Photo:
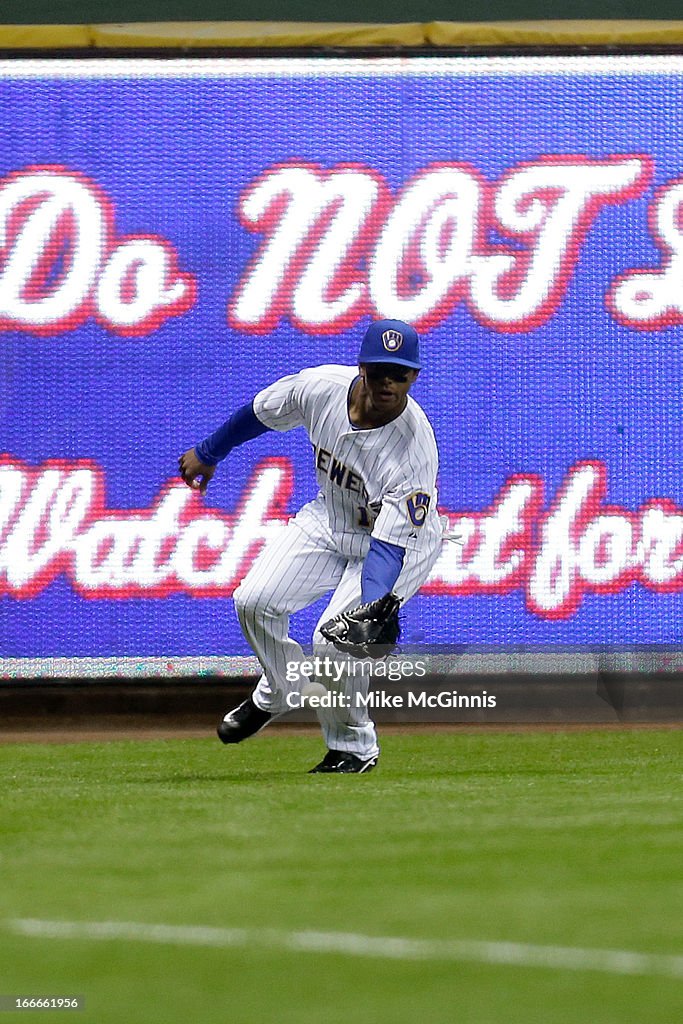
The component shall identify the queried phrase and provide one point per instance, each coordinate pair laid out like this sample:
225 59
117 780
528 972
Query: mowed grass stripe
519 954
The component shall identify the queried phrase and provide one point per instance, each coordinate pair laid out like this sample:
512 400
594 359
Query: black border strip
322 52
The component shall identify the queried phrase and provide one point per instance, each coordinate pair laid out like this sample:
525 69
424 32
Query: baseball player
372 530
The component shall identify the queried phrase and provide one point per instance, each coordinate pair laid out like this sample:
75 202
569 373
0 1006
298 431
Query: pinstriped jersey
379 482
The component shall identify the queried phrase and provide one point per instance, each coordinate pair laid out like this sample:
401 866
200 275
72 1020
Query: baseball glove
368 631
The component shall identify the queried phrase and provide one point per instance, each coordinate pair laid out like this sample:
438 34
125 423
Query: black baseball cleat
343 763
242 722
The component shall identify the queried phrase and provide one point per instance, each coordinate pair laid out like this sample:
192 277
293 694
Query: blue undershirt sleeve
242 426
381 569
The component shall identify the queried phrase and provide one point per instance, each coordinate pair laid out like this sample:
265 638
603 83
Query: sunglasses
399 374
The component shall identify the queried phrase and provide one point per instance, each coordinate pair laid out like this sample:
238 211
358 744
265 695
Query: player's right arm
276 407
197 465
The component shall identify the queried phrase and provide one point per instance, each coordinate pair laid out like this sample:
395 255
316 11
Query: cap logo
392 340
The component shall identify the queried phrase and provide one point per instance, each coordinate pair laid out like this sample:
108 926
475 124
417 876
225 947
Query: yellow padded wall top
553 33
257 34
28 37
198 34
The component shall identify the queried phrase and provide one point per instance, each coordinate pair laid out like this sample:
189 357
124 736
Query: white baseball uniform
380 483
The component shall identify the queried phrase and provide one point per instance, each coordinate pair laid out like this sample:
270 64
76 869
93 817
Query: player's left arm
399 526
406 509
408 504
381 568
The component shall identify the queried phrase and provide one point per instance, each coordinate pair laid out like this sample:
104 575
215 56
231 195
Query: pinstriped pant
297 568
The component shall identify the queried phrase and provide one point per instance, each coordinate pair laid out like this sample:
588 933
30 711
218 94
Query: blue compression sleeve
242 426
381 569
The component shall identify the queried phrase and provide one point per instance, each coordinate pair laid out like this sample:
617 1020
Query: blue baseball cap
391 341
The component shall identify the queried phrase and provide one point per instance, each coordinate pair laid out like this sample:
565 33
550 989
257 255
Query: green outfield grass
568 839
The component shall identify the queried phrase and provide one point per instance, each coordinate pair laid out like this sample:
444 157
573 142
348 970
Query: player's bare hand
195 473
